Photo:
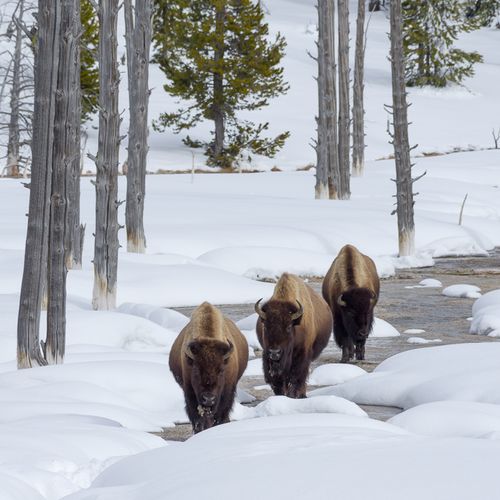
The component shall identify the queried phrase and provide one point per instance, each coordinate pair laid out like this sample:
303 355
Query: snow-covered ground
65 428
460 117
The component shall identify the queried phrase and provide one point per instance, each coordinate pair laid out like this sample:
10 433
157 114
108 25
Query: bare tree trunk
66 150
344 108
332 145
218 112
35 258
358 109
138 39
321 188
106 231
12 169
76 231
374 5
404 181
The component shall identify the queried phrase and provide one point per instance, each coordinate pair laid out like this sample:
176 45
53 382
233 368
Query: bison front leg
296 387
347 350
360 350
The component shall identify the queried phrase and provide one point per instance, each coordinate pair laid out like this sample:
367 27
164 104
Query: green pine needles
430 29
89 76
219 60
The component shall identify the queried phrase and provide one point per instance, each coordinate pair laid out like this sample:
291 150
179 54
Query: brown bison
207 359
293 327
351 288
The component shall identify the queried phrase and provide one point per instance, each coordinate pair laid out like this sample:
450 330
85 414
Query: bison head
208 359
356 306
278 319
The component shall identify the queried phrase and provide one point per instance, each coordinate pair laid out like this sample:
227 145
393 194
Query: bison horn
341 302
231 349
259 311
299 313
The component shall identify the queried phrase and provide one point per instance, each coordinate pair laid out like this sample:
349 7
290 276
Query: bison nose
207 399
275 354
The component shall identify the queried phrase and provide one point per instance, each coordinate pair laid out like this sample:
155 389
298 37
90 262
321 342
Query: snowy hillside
457 117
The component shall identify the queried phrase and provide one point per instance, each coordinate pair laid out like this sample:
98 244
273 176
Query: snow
486 315
452 419
460 372
414 331
334 373
430 283
382 328
464 291
87 423
420 340
316 451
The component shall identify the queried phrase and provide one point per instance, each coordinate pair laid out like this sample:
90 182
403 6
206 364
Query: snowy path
441 317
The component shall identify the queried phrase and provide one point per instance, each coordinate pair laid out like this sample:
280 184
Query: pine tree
217 56
89 76
483 12
430 30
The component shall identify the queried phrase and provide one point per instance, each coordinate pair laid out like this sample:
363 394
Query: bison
351 287
207 359
293 327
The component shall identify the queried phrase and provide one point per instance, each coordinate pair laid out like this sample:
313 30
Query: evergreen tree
484 12
89 76
430 29
217 56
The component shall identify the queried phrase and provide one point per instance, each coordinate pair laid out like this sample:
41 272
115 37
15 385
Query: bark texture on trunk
344 107
106 232
138 41
358 108
218 110
65 149
327 143
76 231
35 259
321 187
404 181
12 168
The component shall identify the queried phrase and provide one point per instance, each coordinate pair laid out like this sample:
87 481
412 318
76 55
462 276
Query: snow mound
282 405
382 328
268 262
452 419
414 331
166 318
486 315
316 451
334 373
420 340
462 291
460 372
430 283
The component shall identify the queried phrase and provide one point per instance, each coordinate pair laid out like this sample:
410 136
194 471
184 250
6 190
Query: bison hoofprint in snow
351 287
207 359
294 326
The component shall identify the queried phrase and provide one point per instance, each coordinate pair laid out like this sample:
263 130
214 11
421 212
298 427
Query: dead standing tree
17 77
138 41
65 152
358 110
35 257
106 231
13 149
404 181
76 231
328 174
344 107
